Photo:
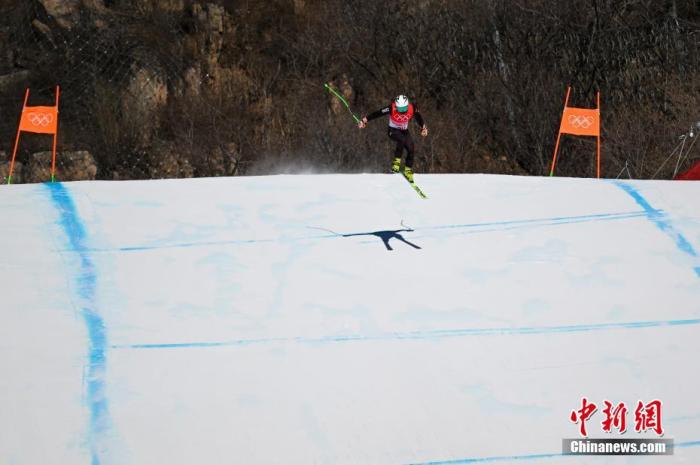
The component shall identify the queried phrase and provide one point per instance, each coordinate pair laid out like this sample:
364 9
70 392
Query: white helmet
401 103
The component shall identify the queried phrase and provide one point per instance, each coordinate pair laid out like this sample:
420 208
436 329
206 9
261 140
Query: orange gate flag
41 120
579 122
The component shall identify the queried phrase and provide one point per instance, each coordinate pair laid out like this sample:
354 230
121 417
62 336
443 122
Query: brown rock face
145 96
213 28
67 12
299 6
150 6
70 166
193 81
9 80
64 11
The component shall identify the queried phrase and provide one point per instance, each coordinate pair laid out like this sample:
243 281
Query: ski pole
340 97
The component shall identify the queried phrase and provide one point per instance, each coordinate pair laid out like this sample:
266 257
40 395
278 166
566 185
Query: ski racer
400 112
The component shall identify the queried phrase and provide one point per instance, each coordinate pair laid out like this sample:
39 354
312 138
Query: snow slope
342 319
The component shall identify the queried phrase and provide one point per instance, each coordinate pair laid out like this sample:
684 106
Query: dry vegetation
177 88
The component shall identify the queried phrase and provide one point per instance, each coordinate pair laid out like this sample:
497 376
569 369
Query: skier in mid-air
400 112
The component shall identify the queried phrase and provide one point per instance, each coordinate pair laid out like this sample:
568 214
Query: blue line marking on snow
86 281
660 221
549 221
434 334
472 227
493 459
187 245
503 458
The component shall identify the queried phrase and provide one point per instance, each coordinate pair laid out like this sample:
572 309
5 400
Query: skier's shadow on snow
385 236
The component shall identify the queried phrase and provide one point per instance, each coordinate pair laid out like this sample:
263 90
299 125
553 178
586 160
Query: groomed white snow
263 320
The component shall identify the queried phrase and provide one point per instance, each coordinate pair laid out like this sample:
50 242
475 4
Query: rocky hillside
176 88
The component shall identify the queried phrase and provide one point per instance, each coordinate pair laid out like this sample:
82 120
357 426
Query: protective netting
123 73
175 88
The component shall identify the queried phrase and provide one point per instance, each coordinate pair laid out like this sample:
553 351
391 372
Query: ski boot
396 165
408 173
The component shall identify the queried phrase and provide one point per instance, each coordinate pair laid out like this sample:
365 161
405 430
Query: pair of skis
415 187
357 120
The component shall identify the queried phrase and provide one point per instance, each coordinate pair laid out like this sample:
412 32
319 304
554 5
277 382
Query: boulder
70 166
17 177
165 162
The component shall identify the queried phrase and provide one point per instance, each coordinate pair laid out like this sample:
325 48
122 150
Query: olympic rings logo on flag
40 119
583 122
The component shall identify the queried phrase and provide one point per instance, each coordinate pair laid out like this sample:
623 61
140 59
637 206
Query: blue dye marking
188 245
478 227
660 221
86 282
526 457
548 221
435 334
492 459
